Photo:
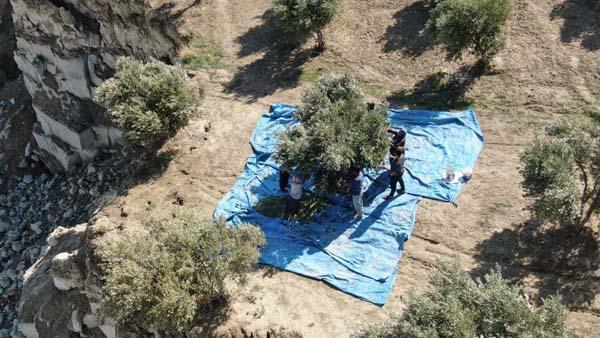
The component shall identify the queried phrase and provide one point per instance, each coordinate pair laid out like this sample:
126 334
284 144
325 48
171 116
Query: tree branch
585 195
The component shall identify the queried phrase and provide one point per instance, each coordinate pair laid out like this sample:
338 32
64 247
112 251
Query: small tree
337 132
562 172
161 278
149 102
304 17
463 25
458 306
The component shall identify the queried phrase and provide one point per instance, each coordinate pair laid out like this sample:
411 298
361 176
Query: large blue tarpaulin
359 257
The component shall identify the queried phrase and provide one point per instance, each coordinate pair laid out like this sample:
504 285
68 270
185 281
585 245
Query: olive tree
562 172
161 276
337 132
148 101
469 25
303 17
456 305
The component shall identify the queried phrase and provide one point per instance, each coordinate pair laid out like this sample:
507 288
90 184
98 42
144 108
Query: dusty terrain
551 65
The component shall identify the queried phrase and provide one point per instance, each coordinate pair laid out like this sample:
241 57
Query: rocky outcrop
8 67
61 297
65 49
33 207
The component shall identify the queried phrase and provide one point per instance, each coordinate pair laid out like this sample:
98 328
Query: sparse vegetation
337 133
148 101
469 25
456 305
562 172
274 206
303 17
161 278
203 54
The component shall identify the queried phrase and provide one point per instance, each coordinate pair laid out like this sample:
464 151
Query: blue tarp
358 257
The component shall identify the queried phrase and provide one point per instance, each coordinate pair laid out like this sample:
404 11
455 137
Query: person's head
355 170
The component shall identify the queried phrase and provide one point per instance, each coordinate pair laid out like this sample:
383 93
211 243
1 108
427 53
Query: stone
4 227
27 179
65 272
17 246
36 227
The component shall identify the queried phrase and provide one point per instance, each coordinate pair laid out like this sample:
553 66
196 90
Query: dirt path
487 227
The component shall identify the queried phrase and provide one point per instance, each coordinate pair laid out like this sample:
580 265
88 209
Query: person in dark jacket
396 171
356 192
284 177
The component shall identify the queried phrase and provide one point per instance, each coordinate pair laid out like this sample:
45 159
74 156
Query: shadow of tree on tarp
405 35
581 21
279 68
563 260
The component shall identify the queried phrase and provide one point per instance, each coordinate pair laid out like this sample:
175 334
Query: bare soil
550 66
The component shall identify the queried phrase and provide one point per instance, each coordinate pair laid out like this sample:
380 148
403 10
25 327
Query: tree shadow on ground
171 12
210 317
440 90
563 260
405 35
280 67
581 21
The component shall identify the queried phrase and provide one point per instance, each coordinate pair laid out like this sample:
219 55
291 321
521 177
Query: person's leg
402 188
297 207
357 201
393 182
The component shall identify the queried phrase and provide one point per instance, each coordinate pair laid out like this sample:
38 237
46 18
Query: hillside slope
551 65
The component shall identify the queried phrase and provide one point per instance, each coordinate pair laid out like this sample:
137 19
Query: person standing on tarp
396 171
356 192
284 178
295 199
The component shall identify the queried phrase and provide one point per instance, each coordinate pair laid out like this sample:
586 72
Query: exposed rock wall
65 49
8 67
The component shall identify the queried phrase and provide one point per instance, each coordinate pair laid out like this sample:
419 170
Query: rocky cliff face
8 67
65 49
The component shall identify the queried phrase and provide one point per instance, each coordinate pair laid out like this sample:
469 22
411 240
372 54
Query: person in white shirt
295 200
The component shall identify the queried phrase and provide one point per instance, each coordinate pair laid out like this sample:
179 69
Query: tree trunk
320 41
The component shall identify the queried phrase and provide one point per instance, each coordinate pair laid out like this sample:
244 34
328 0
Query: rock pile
33 207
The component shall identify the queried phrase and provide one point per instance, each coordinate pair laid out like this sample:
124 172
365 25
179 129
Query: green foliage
203 55
337 132
149 102
303 17
458 306
562 172
162 277
463 25
274 206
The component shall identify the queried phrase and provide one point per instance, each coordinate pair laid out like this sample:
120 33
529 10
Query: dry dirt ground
551 64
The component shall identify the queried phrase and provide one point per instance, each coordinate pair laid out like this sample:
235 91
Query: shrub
337 132
463 25
303 17
458 306
562 172
162 277
149 102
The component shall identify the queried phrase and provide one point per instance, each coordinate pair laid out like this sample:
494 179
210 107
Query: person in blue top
356 192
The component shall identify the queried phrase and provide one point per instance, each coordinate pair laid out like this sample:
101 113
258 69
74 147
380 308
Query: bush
458 306
337 132
303 17
562 172
161 278
149 102
463 25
